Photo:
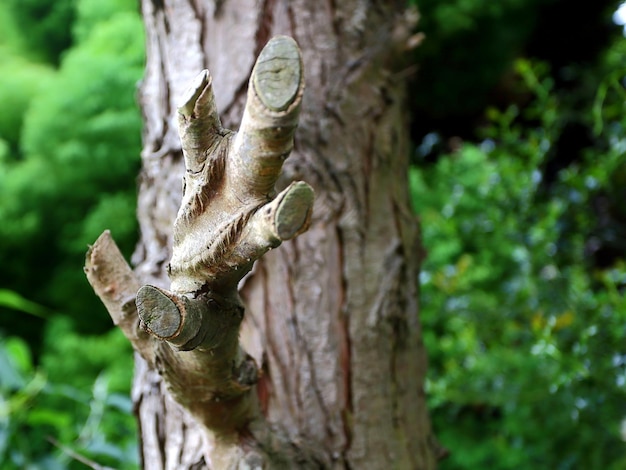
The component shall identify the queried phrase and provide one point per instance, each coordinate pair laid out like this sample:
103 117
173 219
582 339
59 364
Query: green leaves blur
456 80
69 158
46 25
25 80
77 398
71 154
15 301
525 327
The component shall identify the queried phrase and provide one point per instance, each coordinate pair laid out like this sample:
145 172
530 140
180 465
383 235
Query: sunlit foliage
75 403
69 158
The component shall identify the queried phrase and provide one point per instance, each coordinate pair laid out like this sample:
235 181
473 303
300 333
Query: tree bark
331 317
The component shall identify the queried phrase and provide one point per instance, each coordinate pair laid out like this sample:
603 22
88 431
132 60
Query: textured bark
331 317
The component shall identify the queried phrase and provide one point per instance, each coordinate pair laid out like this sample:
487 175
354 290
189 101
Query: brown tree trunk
331 316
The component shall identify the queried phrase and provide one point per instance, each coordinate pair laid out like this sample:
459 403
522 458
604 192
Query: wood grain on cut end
158 312
278 73
294 210
197 87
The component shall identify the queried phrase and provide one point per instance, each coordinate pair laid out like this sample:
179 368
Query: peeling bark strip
331 316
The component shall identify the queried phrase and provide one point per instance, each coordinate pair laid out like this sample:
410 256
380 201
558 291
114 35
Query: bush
76 404
524 331
75 174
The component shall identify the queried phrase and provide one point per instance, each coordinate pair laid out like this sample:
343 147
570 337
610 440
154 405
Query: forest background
518 175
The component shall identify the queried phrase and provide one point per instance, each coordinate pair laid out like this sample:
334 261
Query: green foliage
10 35
69 156
524 330
91 13
15 301
466 61
491 34
44 25
74 172
77 399
20 80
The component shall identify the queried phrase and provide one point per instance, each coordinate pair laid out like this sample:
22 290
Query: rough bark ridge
331 316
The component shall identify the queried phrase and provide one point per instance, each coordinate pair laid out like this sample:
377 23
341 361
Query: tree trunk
331 317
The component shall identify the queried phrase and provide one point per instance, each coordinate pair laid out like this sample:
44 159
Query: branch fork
229 217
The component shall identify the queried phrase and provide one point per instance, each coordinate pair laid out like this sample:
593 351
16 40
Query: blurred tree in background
70 137
69 161
520 181
519 177
48 26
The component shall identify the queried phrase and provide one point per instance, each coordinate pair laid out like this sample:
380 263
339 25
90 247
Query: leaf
10 376
15 301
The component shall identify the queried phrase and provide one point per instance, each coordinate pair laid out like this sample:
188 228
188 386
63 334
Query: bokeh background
518 174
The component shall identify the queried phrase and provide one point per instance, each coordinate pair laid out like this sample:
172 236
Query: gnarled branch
229 217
